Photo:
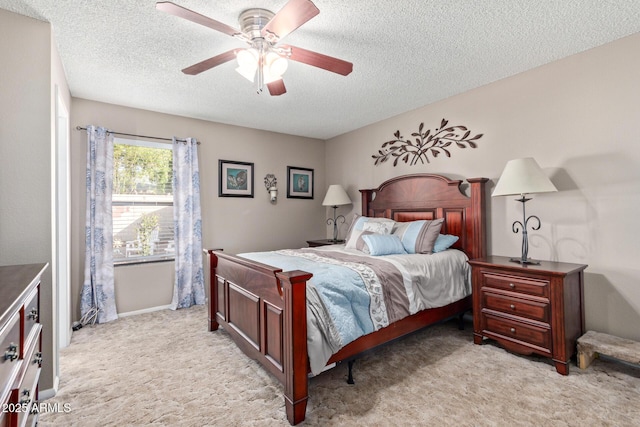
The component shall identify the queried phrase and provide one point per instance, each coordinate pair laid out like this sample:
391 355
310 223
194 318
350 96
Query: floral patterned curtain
98 303
189 281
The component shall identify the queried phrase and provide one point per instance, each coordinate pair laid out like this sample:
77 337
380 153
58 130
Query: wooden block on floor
592 344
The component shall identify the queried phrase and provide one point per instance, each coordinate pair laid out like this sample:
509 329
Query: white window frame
167 254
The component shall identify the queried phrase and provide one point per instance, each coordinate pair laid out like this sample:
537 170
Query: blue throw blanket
341 289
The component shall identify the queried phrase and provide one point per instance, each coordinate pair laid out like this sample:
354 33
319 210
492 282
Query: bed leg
350 377
461 321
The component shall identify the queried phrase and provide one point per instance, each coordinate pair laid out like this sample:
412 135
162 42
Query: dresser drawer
527 334
531 309
518 284
9 353
31 313
25 392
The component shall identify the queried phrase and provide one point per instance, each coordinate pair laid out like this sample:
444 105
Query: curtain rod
139 136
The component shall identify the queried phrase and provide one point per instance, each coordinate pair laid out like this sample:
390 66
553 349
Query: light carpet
165 368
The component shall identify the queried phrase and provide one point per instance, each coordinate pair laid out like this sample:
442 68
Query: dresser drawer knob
26 397
33 314
513 330
12 353
512 306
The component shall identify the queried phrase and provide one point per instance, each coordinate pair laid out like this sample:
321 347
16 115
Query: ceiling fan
265 60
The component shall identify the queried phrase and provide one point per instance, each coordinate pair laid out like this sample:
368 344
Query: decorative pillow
383 244
418 237
356 228
380 227
361 245
444 242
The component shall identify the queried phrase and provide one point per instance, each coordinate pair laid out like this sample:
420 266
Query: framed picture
299 183
235 179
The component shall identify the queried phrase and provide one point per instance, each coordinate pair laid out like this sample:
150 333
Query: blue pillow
383 244
444 242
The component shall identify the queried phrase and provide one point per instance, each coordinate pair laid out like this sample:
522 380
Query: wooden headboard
428 196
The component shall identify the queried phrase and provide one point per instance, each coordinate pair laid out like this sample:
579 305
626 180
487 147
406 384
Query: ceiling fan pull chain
261 69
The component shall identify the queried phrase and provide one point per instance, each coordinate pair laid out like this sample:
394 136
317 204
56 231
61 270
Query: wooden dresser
20 343
529 309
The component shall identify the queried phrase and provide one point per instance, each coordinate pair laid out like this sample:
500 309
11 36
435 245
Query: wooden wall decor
426 143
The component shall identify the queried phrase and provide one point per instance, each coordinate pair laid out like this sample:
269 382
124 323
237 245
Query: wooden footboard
264 311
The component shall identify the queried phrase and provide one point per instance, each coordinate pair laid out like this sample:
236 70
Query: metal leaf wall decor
423 144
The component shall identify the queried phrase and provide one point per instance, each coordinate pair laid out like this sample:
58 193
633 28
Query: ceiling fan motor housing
252 21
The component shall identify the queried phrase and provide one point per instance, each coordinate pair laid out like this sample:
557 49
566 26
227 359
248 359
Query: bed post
296 386
367 197
212 262
478 212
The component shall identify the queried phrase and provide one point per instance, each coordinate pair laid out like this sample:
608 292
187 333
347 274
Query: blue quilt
341 289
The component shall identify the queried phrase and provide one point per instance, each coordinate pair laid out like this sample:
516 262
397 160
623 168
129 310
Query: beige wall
234 224
580 119
25 153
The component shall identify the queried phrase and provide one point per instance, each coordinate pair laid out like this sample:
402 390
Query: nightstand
323 242
529 309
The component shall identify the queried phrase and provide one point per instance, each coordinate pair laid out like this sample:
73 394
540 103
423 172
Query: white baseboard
145 310
50 392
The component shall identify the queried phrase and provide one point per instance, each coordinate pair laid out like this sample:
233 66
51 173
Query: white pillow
379 227
356 228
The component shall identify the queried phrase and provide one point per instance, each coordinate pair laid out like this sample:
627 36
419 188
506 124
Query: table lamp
522 177
336 196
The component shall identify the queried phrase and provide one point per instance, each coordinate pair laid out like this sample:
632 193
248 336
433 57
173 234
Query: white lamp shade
522 176
336 196
247 63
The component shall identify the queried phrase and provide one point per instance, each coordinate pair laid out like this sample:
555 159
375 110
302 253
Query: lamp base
527 261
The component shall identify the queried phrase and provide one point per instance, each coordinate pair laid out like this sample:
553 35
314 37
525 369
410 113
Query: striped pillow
418 237
382 244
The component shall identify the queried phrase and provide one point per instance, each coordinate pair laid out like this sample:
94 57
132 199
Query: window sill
146 260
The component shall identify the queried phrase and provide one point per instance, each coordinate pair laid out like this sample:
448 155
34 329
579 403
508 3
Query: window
142 202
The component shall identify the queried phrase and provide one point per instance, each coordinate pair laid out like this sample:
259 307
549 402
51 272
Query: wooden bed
264 308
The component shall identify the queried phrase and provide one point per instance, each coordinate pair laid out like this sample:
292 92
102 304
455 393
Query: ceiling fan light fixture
247 63
276 64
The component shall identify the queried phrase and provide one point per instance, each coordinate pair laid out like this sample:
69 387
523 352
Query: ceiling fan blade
319 60
210 63
179 11
291 16
276 88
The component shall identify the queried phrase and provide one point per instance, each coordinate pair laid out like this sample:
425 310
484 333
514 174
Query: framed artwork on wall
235 179
299 183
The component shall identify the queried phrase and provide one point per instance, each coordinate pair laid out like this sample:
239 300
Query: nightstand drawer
526 333
536 310
516 284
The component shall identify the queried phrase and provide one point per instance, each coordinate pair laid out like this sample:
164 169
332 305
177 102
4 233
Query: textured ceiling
406 54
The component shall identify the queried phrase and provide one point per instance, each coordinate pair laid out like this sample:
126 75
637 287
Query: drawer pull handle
12 353
37 358
26 397
513 307
511 285
513 330
33 314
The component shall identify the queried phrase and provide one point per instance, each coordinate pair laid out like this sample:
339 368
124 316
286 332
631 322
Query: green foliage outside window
145 227
141 170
